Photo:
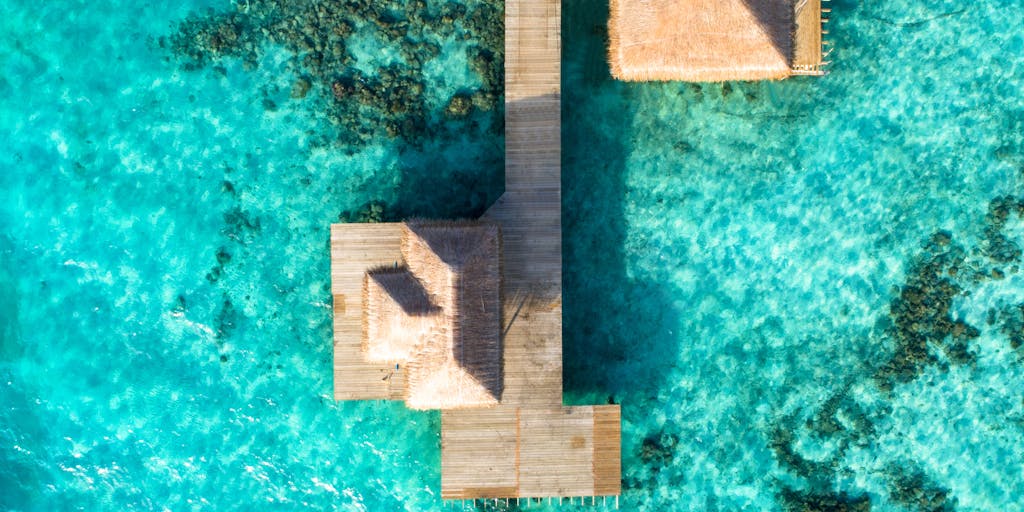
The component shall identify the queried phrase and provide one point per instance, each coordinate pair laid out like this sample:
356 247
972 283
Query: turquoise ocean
807 295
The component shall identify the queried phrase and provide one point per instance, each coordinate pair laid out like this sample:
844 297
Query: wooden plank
530 211
807 44
607 450
508 452
556 452
480 453
354 249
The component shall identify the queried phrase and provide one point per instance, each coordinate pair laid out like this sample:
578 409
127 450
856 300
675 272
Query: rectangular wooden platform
511 452
355 248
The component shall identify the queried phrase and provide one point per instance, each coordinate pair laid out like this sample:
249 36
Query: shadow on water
615 343
460 179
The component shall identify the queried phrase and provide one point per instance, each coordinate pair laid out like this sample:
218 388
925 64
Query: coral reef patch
387 97
921 315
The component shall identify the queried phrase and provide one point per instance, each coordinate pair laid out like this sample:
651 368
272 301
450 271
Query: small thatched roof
459 265
701 40
397 314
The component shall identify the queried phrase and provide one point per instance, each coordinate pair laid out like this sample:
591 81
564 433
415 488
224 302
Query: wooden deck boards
559 451
510 452
807 57
354 249
465 473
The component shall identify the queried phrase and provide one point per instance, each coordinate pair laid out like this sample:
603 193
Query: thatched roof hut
397 314
701 40
440 314
458 263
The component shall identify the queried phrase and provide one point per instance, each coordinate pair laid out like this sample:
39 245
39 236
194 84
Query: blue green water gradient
742 263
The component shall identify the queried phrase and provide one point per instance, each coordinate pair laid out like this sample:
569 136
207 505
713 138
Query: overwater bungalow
438 315
426 312
715 40
466 316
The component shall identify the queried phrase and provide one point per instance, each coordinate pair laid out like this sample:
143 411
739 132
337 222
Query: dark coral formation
1013 325
912 488
843 418
921 314
228 318
819 474
925 332
223 258
658 449
798 501
373 211
997 246
239 226
390 101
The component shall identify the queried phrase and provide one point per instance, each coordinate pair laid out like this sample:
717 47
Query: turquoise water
807 295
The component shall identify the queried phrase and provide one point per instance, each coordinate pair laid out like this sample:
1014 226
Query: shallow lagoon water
734 257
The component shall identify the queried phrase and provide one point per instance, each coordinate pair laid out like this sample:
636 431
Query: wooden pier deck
807 48
354 249
530 445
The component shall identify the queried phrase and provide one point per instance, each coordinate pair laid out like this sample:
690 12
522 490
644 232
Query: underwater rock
658 449
842 418
798 501
223 256
227 319
362 104
373 211
683 147
921 314
214 274
239 224
1013 325
997 246
781 442
180 305
912 488
300 88
459 106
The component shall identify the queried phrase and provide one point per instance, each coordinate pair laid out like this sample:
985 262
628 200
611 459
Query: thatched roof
397 314
701 40
460 364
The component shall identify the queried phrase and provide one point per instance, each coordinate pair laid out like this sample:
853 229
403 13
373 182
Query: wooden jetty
808 56
529 444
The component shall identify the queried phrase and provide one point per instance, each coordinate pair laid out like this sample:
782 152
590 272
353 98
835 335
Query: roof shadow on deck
615 342
778 19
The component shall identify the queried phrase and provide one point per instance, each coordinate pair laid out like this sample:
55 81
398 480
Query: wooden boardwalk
530 445
807 51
